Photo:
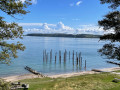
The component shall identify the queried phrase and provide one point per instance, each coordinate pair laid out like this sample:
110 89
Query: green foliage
11 30
111 21
117 71
102 81
4 85
114 3
12 7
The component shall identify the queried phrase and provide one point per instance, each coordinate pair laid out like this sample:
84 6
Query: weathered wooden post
43 55
47 57
79 55
60 56
69 55
64 57
51 54
65 54
77 61
85 64
76 56
55 56
81 61
73 57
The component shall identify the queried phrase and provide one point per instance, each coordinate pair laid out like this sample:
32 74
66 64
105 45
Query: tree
11 30
111 21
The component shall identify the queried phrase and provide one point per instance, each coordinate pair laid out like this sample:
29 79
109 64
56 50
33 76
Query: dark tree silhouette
111 21
11 30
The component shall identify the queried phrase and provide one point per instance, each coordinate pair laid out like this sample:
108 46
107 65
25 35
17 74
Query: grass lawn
117 71
101 81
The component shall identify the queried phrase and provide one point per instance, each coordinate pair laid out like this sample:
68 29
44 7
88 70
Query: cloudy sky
62 16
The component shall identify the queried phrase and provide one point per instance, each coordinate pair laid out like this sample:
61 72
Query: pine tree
111 21
11 30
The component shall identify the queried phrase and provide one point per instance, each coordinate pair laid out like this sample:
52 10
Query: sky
62 16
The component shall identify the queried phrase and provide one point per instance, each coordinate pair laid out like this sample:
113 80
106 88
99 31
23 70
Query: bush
4 85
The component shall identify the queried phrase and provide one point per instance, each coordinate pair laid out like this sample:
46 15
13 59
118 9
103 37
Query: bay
33 56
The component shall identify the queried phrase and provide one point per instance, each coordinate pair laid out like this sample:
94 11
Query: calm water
33 56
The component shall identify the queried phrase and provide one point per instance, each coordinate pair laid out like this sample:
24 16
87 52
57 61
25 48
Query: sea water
33 56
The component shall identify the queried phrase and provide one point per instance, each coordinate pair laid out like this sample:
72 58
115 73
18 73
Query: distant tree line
65 35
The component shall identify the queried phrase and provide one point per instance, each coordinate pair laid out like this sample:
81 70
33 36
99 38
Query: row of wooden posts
47 55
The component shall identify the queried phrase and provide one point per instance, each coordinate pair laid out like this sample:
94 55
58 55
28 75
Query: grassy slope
117 71
85 82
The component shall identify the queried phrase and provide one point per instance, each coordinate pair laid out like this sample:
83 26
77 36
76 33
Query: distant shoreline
31 76
65 35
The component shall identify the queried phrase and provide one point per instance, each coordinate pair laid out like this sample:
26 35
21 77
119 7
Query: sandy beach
31 76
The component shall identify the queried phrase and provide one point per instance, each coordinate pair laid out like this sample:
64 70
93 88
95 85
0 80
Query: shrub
4 85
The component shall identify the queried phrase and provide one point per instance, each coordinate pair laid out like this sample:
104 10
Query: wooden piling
77 60
79 56
60 56
81 61
50 54
73 58
55 57
73 55
43 55
85 64
76 56
64 56
69 55
47 57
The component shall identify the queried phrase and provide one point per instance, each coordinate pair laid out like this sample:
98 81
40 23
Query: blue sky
71 13
53 11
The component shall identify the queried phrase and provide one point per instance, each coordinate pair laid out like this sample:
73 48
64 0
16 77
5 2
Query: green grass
101 81
117 71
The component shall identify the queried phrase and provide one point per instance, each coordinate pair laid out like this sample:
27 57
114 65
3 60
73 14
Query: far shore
31 76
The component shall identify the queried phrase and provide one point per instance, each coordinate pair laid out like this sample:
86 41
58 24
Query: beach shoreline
31 76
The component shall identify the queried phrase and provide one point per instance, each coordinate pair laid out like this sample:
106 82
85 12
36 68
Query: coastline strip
31 76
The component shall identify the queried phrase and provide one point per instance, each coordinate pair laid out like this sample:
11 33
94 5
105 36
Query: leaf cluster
11 30
113 3
13 7
4 85
111 22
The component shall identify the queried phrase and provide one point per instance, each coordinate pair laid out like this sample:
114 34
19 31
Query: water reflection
64 59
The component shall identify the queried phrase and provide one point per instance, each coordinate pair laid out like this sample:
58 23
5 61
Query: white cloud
78 3
61 28
33 1
45 26
90 29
